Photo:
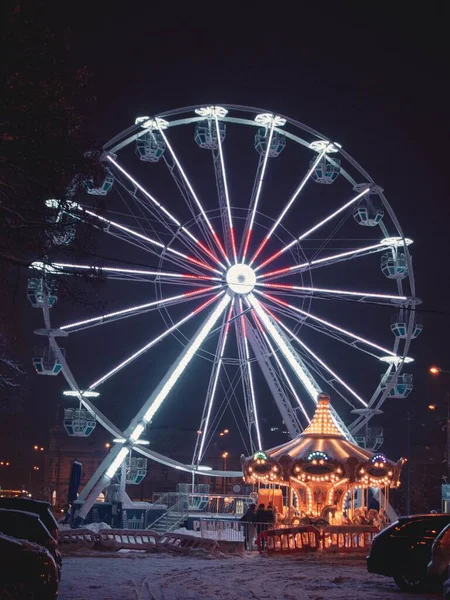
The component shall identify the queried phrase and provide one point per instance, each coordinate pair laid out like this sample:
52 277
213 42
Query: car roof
424 516
33 506
11 518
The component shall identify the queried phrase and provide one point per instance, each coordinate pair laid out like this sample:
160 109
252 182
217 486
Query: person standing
262 521
249 528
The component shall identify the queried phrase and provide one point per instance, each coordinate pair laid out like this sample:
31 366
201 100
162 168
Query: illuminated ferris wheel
278 246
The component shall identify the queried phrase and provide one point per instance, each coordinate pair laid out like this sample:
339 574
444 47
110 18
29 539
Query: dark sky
372 77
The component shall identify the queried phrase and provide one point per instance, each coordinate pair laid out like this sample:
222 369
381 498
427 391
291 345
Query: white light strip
149 345
323 364
85 394
197 342
135 435
125 311
322 260
281 344
327 323
214 387
225 185
164 210
300 288
317 226
147 239
282 369
289 204
111 471
53 268
250 377
258 191
194 195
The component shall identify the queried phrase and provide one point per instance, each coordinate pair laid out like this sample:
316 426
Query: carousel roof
323 434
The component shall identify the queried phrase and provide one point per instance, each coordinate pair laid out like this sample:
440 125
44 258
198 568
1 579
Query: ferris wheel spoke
57 268
247 377
138 310
282 344
322 363
232 234
327 324
312 229
155 243
289 204
325 261
213 233
153 403
273 352
212 387
260 174
338 294
166 213
150 344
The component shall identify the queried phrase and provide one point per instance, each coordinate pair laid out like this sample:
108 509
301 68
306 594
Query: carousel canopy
322 455
323 434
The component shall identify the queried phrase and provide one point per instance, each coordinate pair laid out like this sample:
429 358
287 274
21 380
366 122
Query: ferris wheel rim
361 420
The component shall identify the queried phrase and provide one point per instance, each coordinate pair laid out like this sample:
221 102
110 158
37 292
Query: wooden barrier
305 538
181 542
129 539
348 538
74 538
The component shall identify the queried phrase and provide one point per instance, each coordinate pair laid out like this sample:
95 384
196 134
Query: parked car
26 571
403 549
440 556
39 507
28 526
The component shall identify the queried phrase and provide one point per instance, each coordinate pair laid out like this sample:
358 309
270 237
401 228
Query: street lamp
224 456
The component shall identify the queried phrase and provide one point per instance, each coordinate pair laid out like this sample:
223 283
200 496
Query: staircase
174 515
168 522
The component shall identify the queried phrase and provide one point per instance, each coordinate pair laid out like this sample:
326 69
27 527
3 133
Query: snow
137 576
96 527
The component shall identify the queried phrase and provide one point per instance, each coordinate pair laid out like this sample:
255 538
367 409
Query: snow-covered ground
138 576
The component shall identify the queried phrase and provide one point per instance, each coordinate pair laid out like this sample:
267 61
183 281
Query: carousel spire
322 423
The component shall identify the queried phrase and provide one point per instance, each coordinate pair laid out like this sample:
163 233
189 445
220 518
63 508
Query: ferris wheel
274 260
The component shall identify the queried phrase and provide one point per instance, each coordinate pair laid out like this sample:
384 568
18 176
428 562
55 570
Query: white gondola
78 422
102 189
37 288
372 439
46 362
399 325
150 147
326 171
277 143
136 470
402 387
368 214
394 265
206 134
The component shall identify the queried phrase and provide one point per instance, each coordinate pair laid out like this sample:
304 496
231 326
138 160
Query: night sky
373 79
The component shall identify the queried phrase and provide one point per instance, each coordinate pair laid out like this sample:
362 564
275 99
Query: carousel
322 475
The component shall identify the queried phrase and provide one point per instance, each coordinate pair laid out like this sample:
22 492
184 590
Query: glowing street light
432 407
434 370
107 445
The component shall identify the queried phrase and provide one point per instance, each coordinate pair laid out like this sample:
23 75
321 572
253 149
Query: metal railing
174 515
207 503
233 531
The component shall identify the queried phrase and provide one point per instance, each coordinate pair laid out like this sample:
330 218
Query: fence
117 539
305 538
350 538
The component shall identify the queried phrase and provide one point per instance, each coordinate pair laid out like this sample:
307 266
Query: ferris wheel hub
241 278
